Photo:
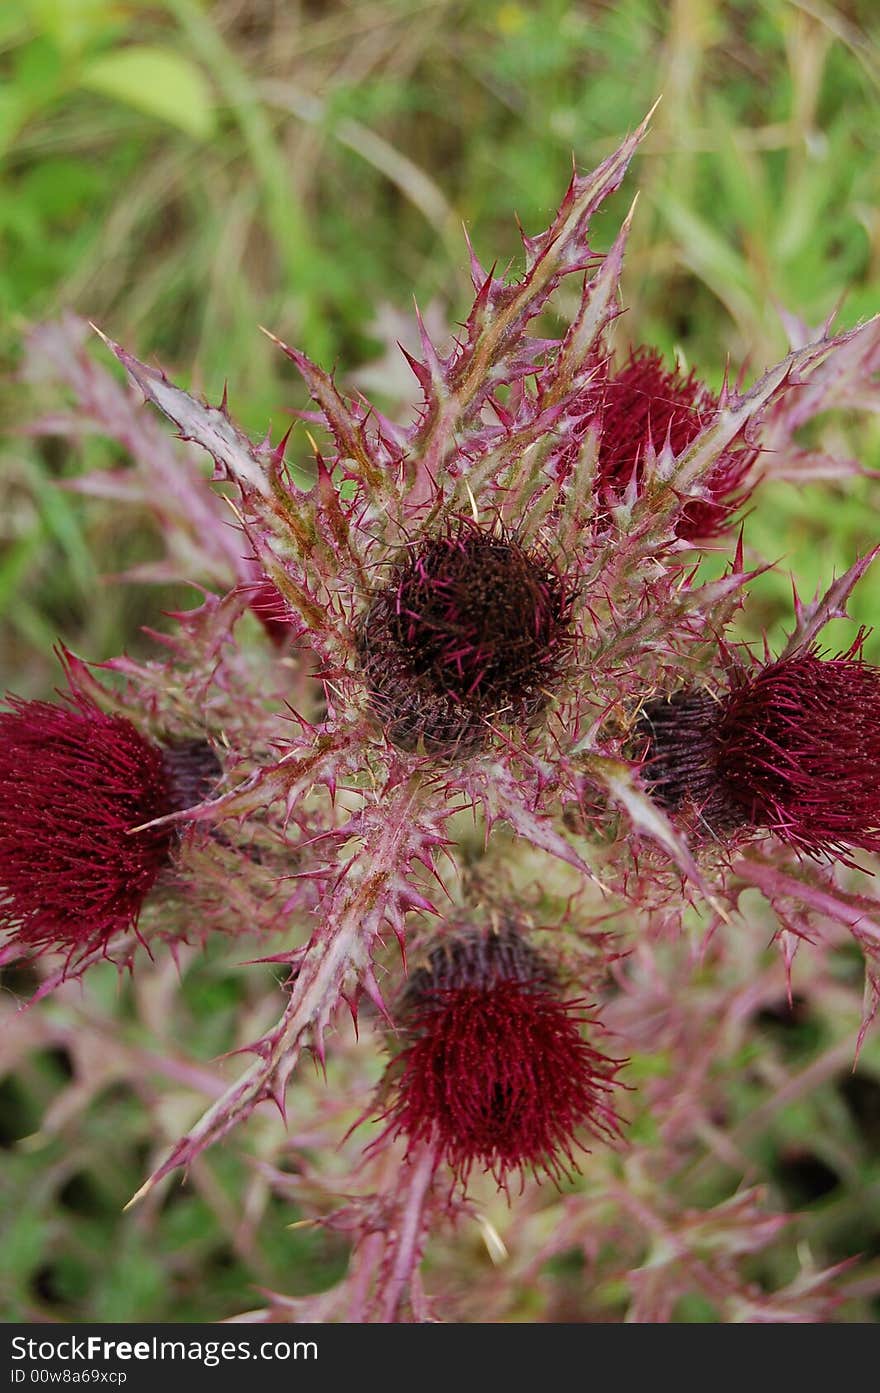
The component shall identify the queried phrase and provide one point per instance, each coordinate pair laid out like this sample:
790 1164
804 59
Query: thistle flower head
494 1070
798 748
74 782
792 747
646 407
469 630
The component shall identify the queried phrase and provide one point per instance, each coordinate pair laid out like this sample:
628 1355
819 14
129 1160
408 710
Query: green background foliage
182 172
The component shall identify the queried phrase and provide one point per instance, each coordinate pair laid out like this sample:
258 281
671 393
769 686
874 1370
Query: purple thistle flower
644 408
469 631
792 747
799 748
74 782
494 1071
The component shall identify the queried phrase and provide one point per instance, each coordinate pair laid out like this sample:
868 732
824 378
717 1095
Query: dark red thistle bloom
73 783
494 1071
799 751
468 632
793 747
644 405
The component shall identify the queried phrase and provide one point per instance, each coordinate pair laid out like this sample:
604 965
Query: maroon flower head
798 751
468 632
643 406
494 1070
793 747
73 783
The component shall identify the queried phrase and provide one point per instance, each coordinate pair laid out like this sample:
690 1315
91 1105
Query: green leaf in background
72 25
156 81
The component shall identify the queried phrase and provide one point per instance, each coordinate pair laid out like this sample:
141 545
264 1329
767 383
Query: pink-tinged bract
495 1072
798 751
269 607
645 406
73 783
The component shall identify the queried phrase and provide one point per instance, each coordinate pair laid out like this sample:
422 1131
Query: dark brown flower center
468 630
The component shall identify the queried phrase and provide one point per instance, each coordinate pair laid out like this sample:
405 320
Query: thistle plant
493 776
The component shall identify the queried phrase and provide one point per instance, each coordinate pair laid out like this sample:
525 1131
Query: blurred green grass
181 172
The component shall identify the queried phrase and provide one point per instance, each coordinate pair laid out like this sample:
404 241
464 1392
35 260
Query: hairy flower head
793 747
494 1069
74 782
645 406
799 749
468 631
